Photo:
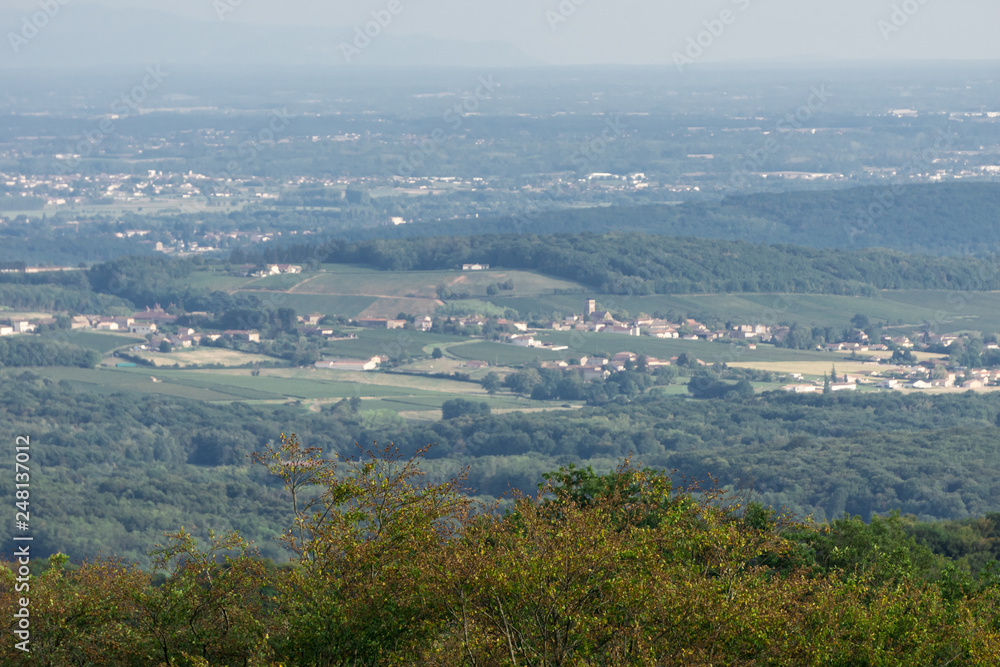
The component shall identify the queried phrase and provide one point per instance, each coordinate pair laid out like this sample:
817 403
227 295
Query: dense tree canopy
625 569
629 263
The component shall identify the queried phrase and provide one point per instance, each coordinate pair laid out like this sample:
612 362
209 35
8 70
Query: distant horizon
566 33
763 66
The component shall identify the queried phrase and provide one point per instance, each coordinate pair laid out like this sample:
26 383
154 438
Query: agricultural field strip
112 382
349 305
304 390
202 356
102 342
381 379
223 387
411 284
271 385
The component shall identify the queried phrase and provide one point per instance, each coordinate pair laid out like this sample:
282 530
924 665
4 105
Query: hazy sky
645 31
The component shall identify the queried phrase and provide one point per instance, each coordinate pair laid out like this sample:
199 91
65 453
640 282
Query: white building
349 364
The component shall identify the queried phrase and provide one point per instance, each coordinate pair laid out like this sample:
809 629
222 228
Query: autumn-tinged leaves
616 569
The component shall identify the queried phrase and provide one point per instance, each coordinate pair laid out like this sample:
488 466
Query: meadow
205 356
358 291
95 340
311 389
390 342
502 354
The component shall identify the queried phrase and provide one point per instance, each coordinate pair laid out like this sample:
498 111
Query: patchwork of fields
357 291
311 389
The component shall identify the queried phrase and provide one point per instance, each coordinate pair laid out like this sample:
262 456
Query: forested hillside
621 263
118 286
614 263
120 469
932 219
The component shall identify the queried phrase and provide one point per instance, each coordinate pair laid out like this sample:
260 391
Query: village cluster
163 334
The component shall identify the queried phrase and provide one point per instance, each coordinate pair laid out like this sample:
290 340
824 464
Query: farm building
356 365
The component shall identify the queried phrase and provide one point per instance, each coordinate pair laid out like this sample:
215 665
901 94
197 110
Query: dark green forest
907 218
615 263
117 286
622 568
25 352
628 263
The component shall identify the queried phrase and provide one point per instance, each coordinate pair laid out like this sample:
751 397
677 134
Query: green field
219 281
501 354
281 282
362 291
424 284
113 381
102 342
351 306
953 311
417 397
323 385
390 342
206 356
